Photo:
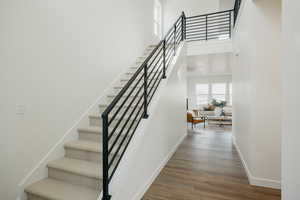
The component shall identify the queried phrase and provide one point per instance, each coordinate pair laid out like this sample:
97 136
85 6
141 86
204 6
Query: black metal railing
123 115
216 25
236 9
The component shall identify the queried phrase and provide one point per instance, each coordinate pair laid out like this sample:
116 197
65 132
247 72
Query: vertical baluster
206 26
105 168
164 59
230 14
182 26
145 116
174 39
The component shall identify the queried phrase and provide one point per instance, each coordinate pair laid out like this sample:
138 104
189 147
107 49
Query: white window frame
198 94
219 94
228 92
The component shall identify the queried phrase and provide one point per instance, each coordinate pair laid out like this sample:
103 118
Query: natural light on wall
157 19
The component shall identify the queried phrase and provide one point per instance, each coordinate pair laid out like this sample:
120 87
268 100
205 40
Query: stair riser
116 91
90 156
90 136
110 98
83 155
151 79
96 136
123 82
98 122
35 197
102 108
76 179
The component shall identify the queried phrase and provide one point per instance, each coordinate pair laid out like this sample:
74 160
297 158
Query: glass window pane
202 91
219 88
202 99
202 88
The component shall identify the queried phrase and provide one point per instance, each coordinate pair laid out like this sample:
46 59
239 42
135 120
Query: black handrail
216 25
236 9
122 116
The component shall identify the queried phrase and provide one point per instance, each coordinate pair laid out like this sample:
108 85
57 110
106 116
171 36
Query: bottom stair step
49 189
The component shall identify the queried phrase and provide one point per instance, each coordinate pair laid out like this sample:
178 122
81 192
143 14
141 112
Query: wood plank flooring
206 166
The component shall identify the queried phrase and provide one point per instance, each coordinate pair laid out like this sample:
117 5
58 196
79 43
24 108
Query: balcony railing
209 26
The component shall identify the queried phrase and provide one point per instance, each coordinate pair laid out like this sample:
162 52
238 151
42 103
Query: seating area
213 116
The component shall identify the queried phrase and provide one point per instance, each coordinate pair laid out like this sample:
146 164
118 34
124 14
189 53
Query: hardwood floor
206 166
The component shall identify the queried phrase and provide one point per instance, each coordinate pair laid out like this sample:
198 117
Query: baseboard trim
255 181
139 195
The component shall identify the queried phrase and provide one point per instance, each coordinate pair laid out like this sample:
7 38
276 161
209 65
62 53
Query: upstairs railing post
206 26
145 115
164 59
174 39
237 5
105 168
182 26
230 15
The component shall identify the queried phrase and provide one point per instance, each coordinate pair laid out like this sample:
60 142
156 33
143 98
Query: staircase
77 176
91 161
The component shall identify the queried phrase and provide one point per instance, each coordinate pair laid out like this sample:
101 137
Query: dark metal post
164 59
206 21
105 168
230 15
187 104
174 39
145 116
182 26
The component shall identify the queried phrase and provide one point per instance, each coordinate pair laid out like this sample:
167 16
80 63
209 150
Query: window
205 92
202 93
157 19
219 91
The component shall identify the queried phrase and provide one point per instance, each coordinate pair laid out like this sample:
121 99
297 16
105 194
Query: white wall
209 47
210 64
57 57
174 8
226 4
257 90
291 98
157 138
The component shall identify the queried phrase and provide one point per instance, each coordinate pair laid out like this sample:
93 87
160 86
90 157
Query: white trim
256 181
140 193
